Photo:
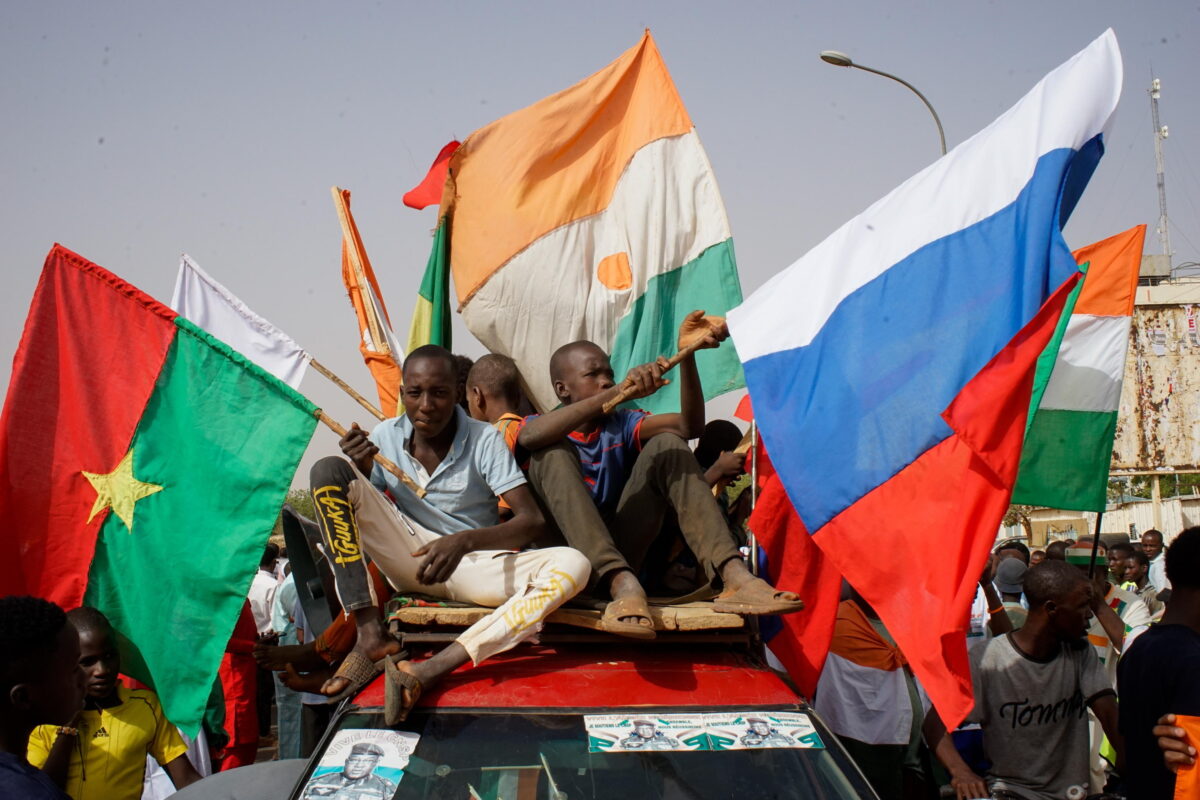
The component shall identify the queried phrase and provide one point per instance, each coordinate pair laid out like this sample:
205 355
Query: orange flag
1187 779
378 344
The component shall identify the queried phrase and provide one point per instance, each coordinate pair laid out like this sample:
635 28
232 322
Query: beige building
1158 426
1158 423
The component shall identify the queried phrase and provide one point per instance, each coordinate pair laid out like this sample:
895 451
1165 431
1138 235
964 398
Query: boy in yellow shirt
101 755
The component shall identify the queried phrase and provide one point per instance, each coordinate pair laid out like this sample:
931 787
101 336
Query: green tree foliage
301 502
1020 514
1169 485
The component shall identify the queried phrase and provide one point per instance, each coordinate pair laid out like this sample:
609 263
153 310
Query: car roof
593 676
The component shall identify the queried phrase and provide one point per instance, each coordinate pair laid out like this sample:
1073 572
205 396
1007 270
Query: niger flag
142 466
1077 387
591 214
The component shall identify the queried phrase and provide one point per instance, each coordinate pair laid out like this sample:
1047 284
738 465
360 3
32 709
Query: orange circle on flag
614 272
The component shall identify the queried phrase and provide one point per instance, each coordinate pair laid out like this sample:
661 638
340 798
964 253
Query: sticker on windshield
618 733
361 765
761 730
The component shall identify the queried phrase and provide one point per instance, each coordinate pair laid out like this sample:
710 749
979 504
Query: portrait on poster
361 765
619 733
758 730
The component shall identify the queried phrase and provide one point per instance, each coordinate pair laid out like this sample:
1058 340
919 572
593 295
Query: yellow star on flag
119 490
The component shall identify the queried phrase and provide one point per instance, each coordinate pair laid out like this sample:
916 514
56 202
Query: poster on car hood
622 733
361 765
761 730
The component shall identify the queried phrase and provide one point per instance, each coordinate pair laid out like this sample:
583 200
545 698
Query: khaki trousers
665 476
524 587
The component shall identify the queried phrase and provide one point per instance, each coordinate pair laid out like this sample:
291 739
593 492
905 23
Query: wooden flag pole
751 539
386 463
672 362
347 388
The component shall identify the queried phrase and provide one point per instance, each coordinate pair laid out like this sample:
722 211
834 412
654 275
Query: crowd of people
1058 642
522 512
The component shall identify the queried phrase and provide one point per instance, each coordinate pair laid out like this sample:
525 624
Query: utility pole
1160 133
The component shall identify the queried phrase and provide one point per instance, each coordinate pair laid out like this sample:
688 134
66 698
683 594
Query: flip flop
756 597
399 682
358 670
628 607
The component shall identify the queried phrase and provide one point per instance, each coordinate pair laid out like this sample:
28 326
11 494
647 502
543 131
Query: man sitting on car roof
608 479
450 543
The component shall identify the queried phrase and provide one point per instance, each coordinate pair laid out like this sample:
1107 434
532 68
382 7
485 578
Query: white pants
524 587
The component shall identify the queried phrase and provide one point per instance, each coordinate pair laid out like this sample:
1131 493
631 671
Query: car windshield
552 756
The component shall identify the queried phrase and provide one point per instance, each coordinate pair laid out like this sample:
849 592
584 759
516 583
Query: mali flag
142 466
592 214
431 316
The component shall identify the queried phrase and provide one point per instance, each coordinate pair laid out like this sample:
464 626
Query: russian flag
890 367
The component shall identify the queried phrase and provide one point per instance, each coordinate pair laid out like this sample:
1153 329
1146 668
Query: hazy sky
135 131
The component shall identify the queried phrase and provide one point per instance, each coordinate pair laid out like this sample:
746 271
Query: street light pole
839 59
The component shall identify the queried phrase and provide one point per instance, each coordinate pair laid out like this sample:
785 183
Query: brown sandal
612 621
358 670
400 682
756 597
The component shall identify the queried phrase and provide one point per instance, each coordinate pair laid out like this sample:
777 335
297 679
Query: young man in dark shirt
1160 673
42 685
609 478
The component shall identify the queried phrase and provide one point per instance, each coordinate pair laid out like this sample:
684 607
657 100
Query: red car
689 719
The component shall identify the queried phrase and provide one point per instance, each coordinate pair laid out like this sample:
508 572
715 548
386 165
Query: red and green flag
142 466
1077 386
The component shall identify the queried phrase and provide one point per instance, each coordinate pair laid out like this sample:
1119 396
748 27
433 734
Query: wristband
995 610
65 730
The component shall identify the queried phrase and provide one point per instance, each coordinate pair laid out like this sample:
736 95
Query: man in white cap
1010 579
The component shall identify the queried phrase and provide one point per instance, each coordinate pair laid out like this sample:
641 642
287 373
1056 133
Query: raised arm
553 426
998 621
697 332
58 760
1112 624
522 529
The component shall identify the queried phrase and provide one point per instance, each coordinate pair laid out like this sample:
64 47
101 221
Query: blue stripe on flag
863 400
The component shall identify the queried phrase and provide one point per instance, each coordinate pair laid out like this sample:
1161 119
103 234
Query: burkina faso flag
142 466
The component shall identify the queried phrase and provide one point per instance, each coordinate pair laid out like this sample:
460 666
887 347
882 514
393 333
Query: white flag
204 302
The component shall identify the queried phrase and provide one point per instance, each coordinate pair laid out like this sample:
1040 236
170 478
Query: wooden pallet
682 617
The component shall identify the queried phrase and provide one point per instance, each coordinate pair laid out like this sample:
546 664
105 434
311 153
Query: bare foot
276 659
624 584
735 574
373 644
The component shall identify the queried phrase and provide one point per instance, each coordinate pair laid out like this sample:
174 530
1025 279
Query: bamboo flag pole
347 388
751 539
672 362
386 463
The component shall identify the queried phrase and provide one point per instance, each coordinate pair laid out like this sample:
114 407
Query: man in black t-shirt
42 684
1160 673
